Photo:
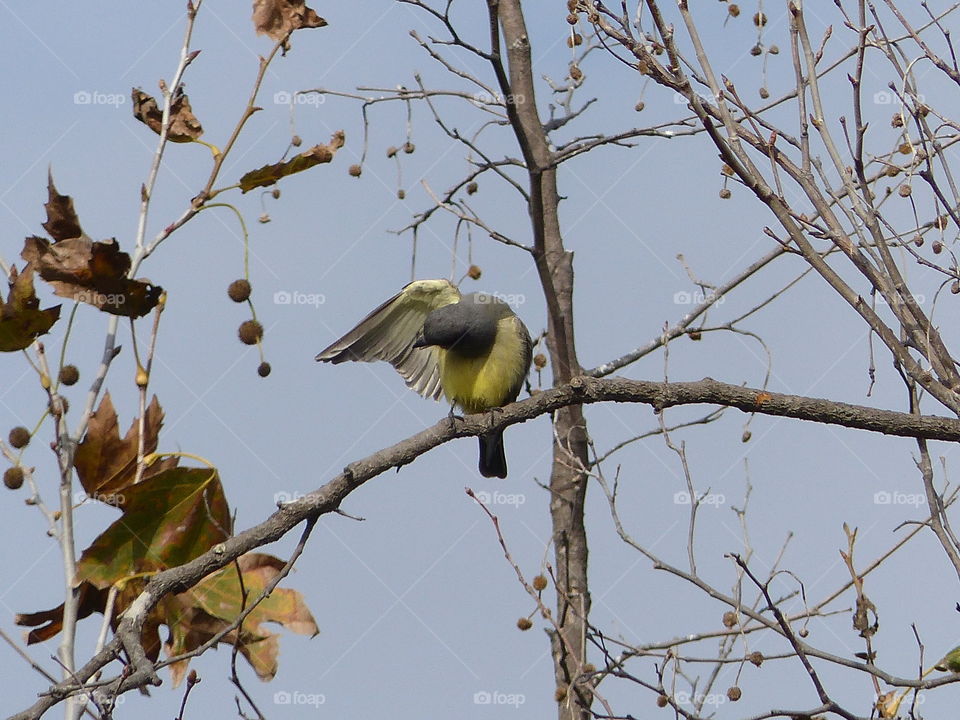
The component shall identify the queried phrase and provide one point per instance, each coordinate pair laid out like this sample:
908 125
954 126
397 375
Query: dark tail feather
493 463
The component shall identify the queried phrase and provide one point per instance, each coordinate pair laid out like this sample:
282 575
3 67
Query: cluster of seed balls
19 437
250 331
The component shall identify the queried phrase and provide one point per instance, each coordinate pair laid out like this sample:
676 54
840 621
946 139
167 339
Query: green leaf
168 520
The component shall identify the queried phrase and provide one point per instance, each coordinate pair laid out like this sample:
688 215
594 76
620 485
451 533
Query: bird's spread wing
388 333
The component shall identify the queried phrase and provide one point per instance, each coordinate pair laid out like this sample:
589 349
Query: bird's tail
493 463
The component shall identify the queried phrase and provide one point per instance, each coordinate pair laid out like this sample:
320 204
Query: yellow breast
490 380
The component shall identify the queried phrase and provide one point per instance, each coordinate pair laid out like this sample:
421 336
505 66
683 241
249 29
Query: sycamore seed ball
474 272
263 369
539 361
729 619
250 332
662 701
524 623
354 171
471 188
69 374
239 290
734 693
409 147
13 477
539 583
19 437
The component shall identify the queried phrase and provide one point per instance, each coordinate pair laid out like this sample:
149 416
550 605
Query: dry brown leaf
278 18
184 126
93 273
107 464
62 221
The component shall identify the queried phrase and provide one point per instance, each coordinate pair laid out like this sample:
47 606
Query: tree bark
568 479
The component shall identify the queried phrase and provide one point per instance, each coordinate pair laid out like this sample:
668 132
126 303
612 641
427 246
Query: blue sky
416 605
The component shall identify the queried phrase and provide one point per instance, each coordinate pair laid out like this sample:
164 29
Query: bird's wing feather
388 334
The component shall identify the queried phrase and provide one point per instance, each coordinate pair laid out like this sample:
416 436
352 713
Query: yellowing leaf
216 601
270 174
167 520
21 319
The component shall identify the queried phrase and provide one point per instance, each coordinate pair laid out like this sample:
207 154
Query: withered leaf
167 520
216 601
270 174
107 464
62 221
48 623
184 126
21 319
278 18
91 272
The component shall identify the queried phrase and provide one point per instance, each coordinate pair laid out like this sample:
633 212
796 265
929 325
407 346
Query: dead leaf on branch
278 18
270 174
21 319
62 221
82 269
48 623
184 126
106 464
93 273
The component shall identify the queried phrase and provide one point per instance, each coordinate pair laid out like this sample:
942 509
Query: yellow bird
471 348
